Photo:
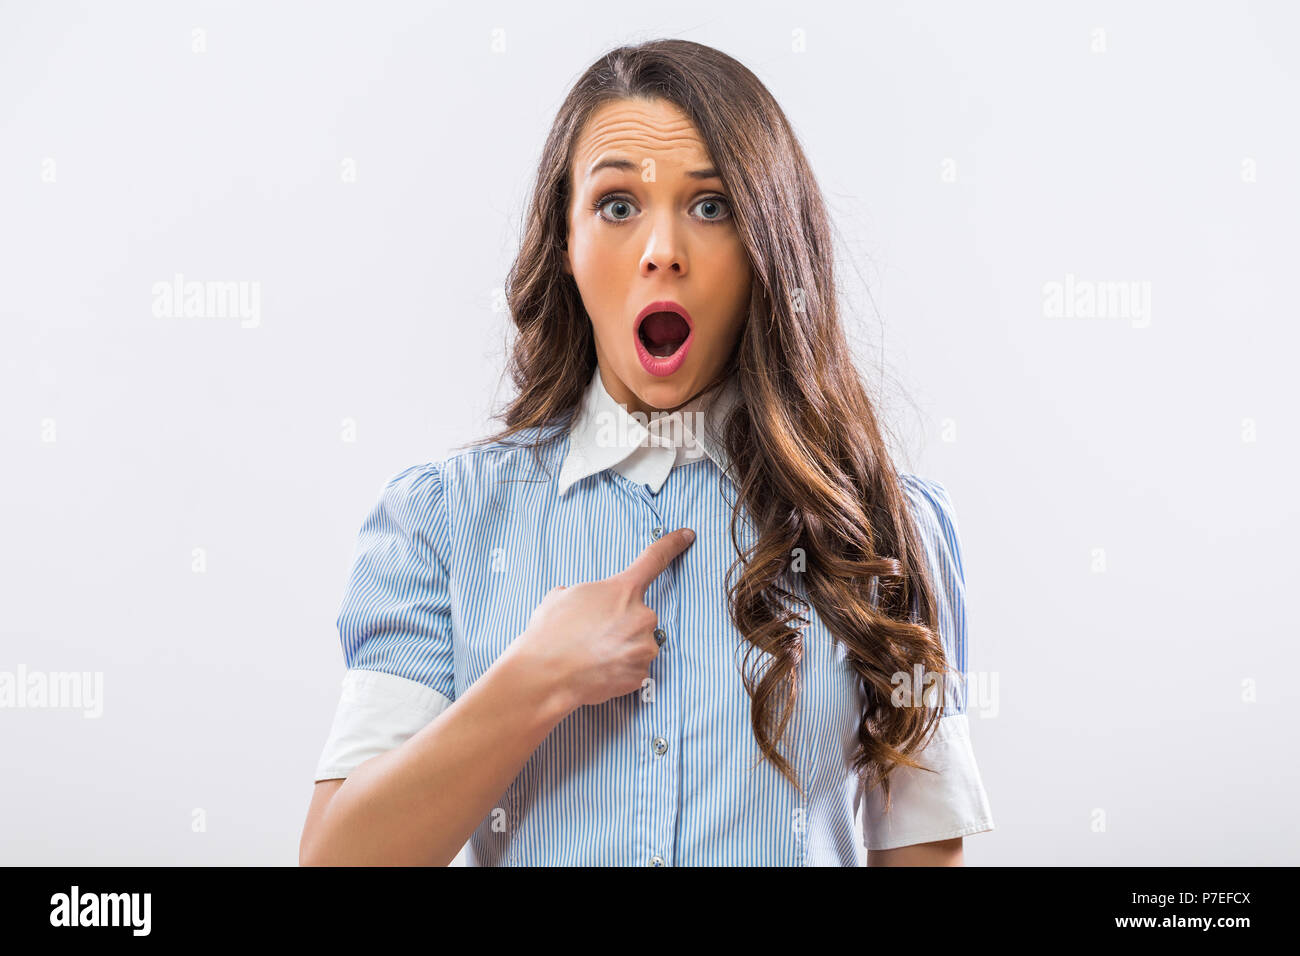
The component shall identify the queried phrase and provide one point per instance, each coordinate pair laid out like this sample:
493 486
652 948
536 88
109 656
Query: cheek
727 270
726 259
593 260
597 275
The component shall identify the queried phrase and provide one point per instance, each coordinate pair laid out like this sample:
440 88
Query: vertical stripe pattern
458 553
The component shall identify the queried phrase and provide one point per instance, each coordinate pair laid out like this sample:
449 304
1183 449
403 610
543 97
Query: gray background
970 154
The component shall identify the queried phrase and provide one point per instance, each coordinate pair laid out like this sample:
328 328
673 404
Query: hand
597 638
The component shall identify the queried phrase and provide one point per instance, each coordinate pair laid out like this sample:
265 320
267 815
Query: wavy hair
810 464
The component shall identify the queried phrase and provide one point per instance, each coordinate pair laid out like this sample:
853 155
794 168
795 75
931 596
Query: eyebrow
626 165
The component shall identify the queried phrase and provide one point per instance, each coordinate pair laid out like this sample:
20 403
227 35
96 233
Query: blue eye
716 201
720 206
609 200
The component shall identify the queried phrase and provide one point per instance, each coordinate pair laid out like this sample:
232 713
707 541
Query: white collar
603 435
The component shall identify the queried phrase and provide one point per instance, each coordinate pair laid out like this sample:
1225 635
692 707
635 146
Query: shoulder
419 483
477 474
529 454
936 519
474 459
930 501
929 493
410 504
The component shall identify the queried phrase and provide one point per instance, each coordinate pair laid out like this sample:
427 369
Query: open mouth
662 333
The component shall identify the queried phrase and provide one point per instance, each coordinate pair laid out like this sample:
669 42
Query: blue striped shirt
456 555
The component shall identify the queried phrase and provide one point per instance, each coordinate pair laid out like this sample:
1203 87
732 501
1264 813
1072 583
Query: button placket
659 745
657 717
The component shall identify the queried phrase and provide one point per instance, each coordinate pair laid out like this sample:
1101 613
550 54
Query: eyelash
610 197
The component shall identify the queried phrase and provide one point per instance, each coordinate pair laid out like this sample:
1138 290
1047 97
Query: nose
663 248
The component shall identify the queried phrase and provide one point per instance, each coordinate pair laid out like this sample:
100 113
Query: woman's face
663 232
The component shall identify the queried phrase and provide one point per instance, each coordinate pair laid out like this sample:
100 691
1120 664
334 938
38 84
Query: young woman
682 610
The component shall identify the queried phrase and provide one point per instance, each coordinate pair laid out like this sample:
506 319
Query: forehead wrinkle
631 136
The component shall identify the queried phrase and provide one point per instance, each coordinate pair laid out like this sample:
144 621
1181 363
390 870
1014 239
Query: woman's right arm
416 805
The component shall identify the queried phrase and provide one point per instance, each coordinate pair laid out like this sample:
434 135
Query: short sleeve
394 625
951 801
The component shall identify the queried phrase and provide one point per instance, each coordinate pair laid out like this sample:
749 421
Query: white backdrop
180 496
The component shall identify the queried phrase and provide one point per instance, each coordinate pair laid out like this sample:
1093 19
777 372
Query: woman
538 663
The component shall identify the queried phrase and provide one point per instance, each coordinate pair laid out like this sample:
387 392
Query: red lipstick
663 332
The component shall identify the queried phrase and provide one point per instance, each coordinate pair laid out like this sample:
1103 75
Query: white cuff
377 712
924 806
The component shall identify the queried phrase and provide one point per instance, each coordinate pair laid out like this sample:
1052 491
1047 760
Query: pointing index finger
654 560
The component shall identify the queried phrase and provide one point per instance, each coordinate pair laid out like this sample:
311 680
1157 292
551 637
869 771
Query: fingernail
690 536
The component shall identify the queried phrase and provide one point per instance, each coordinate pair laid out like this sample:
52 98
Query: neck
632 402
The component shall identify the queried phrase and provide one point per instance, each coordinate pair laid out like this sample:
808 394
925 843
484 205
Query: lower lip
666 365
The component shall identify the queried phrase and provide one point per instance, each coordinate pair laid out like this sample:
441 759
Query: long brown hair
809 460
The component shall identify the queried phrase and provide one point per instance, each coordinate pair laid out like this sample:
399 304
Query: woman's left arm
939 853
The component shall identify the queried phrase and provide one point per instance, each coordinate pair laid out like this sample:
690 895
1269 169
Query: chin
663 393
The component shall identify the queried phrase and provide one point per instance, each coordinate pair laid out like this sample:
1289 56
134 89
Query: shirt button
660 745
660 636
656 860
658 532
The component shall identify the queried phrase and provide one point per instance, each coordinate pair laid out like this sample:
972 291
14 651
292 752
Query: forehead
633 129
